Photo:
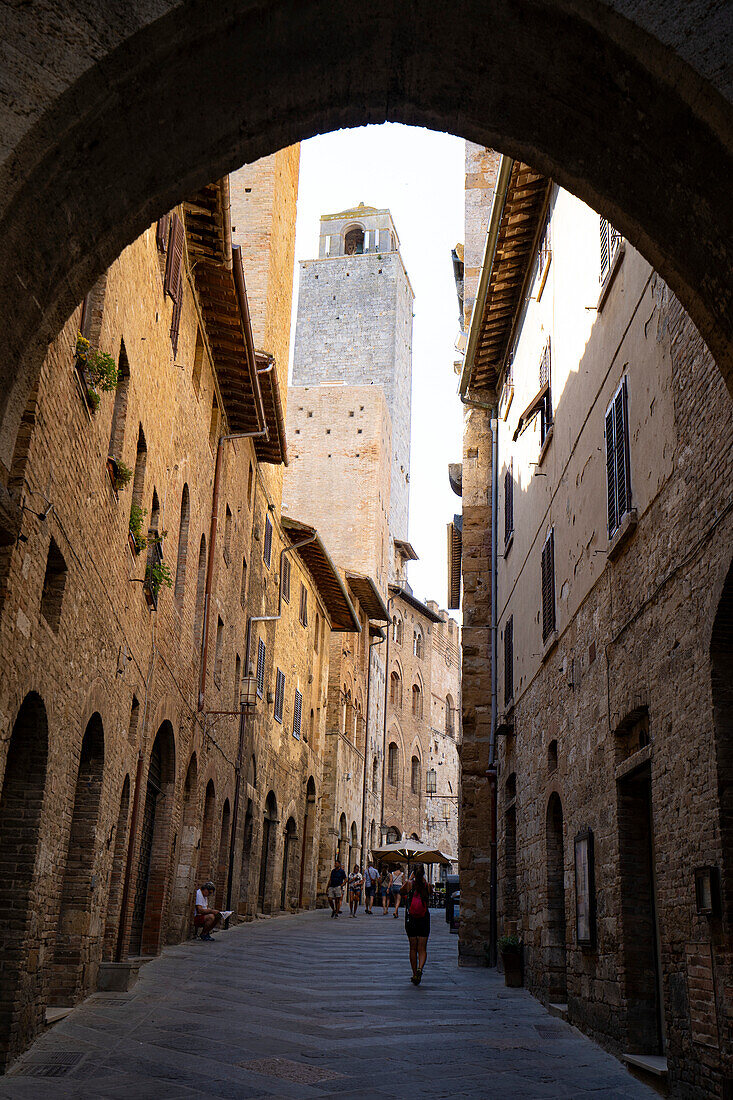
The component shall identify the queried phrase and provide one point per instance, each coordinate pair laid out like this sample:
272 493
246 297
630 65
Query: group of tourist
387 888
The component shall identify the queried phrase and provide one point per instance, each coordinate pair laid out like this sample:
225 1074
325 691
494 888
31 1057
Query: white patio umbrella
410 851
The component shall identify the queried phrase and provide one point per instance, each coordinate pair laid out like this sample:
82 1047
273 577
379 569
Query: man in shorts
335 890
371 878
205 917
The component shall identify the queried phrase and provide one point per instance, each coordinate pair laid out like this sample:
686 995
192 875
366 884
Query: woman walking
396 883
355 883
384 890
417 921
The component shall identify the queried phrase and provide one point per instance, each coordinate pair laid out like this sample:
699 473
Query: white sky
419 176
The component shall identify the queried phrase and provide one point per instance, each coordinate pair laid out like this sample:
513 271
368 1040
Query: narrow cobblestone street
305 1006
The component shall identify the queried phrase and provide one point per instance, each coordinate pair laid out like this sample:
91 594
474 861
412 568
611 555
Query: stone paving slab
306 1007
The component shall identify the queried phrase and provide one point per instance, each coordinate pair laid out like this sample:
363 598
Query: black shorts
418 926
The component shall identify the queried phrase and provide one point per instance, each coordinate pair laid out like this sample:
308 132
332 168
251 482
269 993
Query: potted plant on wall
157 574
135 534
119 474
510 949
97 369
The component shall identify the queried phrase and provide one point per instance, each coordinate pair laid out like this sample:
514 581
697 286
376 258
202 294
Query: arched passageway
289 857
154 846
222 862
307 870
21 802
74 939
137 113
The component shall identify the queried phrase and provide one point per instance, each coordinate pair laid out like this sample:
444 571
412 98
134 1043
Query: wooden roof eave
325 576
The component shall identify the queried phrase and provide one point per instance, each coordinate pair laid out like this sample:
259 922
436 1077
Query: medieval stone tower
354 327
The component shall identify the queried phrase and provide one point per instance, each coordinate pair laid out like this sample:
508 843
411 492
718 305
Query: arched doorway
183 886
206 848
305 889
21 802
289 848
268 852
244 887
353 847
555 950
73 944
153 846
721 671
117 873
222 863
342 852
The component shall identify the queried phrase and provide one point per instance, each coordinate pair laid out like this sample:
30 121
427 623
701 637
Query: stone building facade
128 769
611 737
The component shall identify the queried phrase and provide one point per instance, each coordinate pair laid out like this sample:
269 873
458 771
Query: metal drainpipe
386 697
242 716
372 645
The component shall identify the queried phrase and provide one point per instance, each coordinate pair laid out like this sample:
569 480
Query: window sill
623 533
610 278
509 543
545 446
549 645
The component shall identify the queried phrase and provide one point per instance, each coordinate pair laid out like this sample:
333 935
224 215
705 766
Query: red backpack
418 908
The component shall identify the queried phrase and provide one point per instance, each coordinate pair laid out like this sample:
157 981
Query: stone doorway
305 889
72 943
268 835
154 848
639 929
288 850
555 944
117 873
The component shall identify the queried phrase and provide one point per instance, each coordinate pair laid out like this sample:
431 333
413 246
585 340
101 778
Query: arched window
417 643
375 773
345 704
180 586
397 630
395 689
393 768
393 836
317 634
200 590
354 242
449 712
416 701
415 775
119 416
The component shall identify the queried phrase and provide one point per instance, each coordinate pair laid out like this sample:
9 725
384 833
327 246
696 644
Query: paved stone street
306 1006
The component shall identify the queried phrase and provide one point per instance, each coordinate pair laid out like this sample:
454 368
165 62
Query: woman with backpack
417 921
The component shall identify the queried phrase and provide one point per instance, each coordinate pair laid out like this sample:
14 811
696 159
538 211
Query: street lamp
248 692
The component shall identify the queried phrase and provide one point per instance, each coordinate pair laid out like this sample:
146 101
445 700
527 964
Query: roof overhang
317 561
413 601
516 221
405 549
368 596
377 632
273 449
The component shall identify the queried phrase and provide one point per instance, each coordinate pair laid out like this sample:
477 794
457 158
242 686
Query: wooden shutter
617 459
297 713
176 322
267 551
509 660
260 668
279 696
508 503
605 250
286 580
303 605
548 587
546 380
174 266
161 233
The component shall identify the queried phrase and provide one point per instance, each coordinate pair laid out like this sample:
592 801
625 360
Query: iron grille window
546 379
267 551
610 242
286 580
509 660
260 668
279 696
303 605
617 459
297 714
508 503
548 586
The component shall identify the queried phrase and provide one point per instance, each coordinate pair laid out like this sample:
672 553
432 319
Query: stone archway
140 110
721 664
151 886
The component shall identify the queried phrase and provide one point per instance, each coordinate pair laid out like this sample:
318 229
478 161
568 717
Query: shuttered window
508 504
548 586
279 696
617 459
297 714
174 265
610 241
509 660
546 380
267 550
161 233
176 322
286 580
260 668
303 605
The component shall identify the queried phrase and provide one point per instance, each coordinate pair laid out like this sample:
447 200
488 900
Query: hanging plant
99 370
121 474
137 515
157 574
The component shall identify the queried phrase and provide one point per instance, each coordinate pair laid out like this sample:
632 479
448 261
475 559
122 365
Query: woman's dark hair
421 886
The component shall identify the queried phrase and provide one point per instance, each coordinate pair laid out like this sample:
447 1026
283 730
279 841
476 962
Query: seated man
205 917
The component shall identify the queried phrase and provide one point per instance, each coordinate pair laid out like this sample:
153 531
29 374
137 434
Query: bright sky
419 176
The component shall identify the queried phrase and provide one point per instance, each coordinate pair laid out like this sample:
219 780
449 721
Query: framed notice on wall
585 889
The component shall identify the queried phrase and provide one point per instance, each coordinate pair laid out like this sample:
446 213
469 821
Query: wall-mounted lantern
707 891
248 692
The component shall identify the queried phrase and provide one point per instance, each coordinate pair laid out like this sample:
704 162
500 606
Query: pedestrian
335 890
417 921
384 884
356 881
371 878
204 916
396 883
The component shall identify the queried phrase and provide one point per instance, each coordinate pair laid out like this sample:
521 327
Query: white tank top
397 879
